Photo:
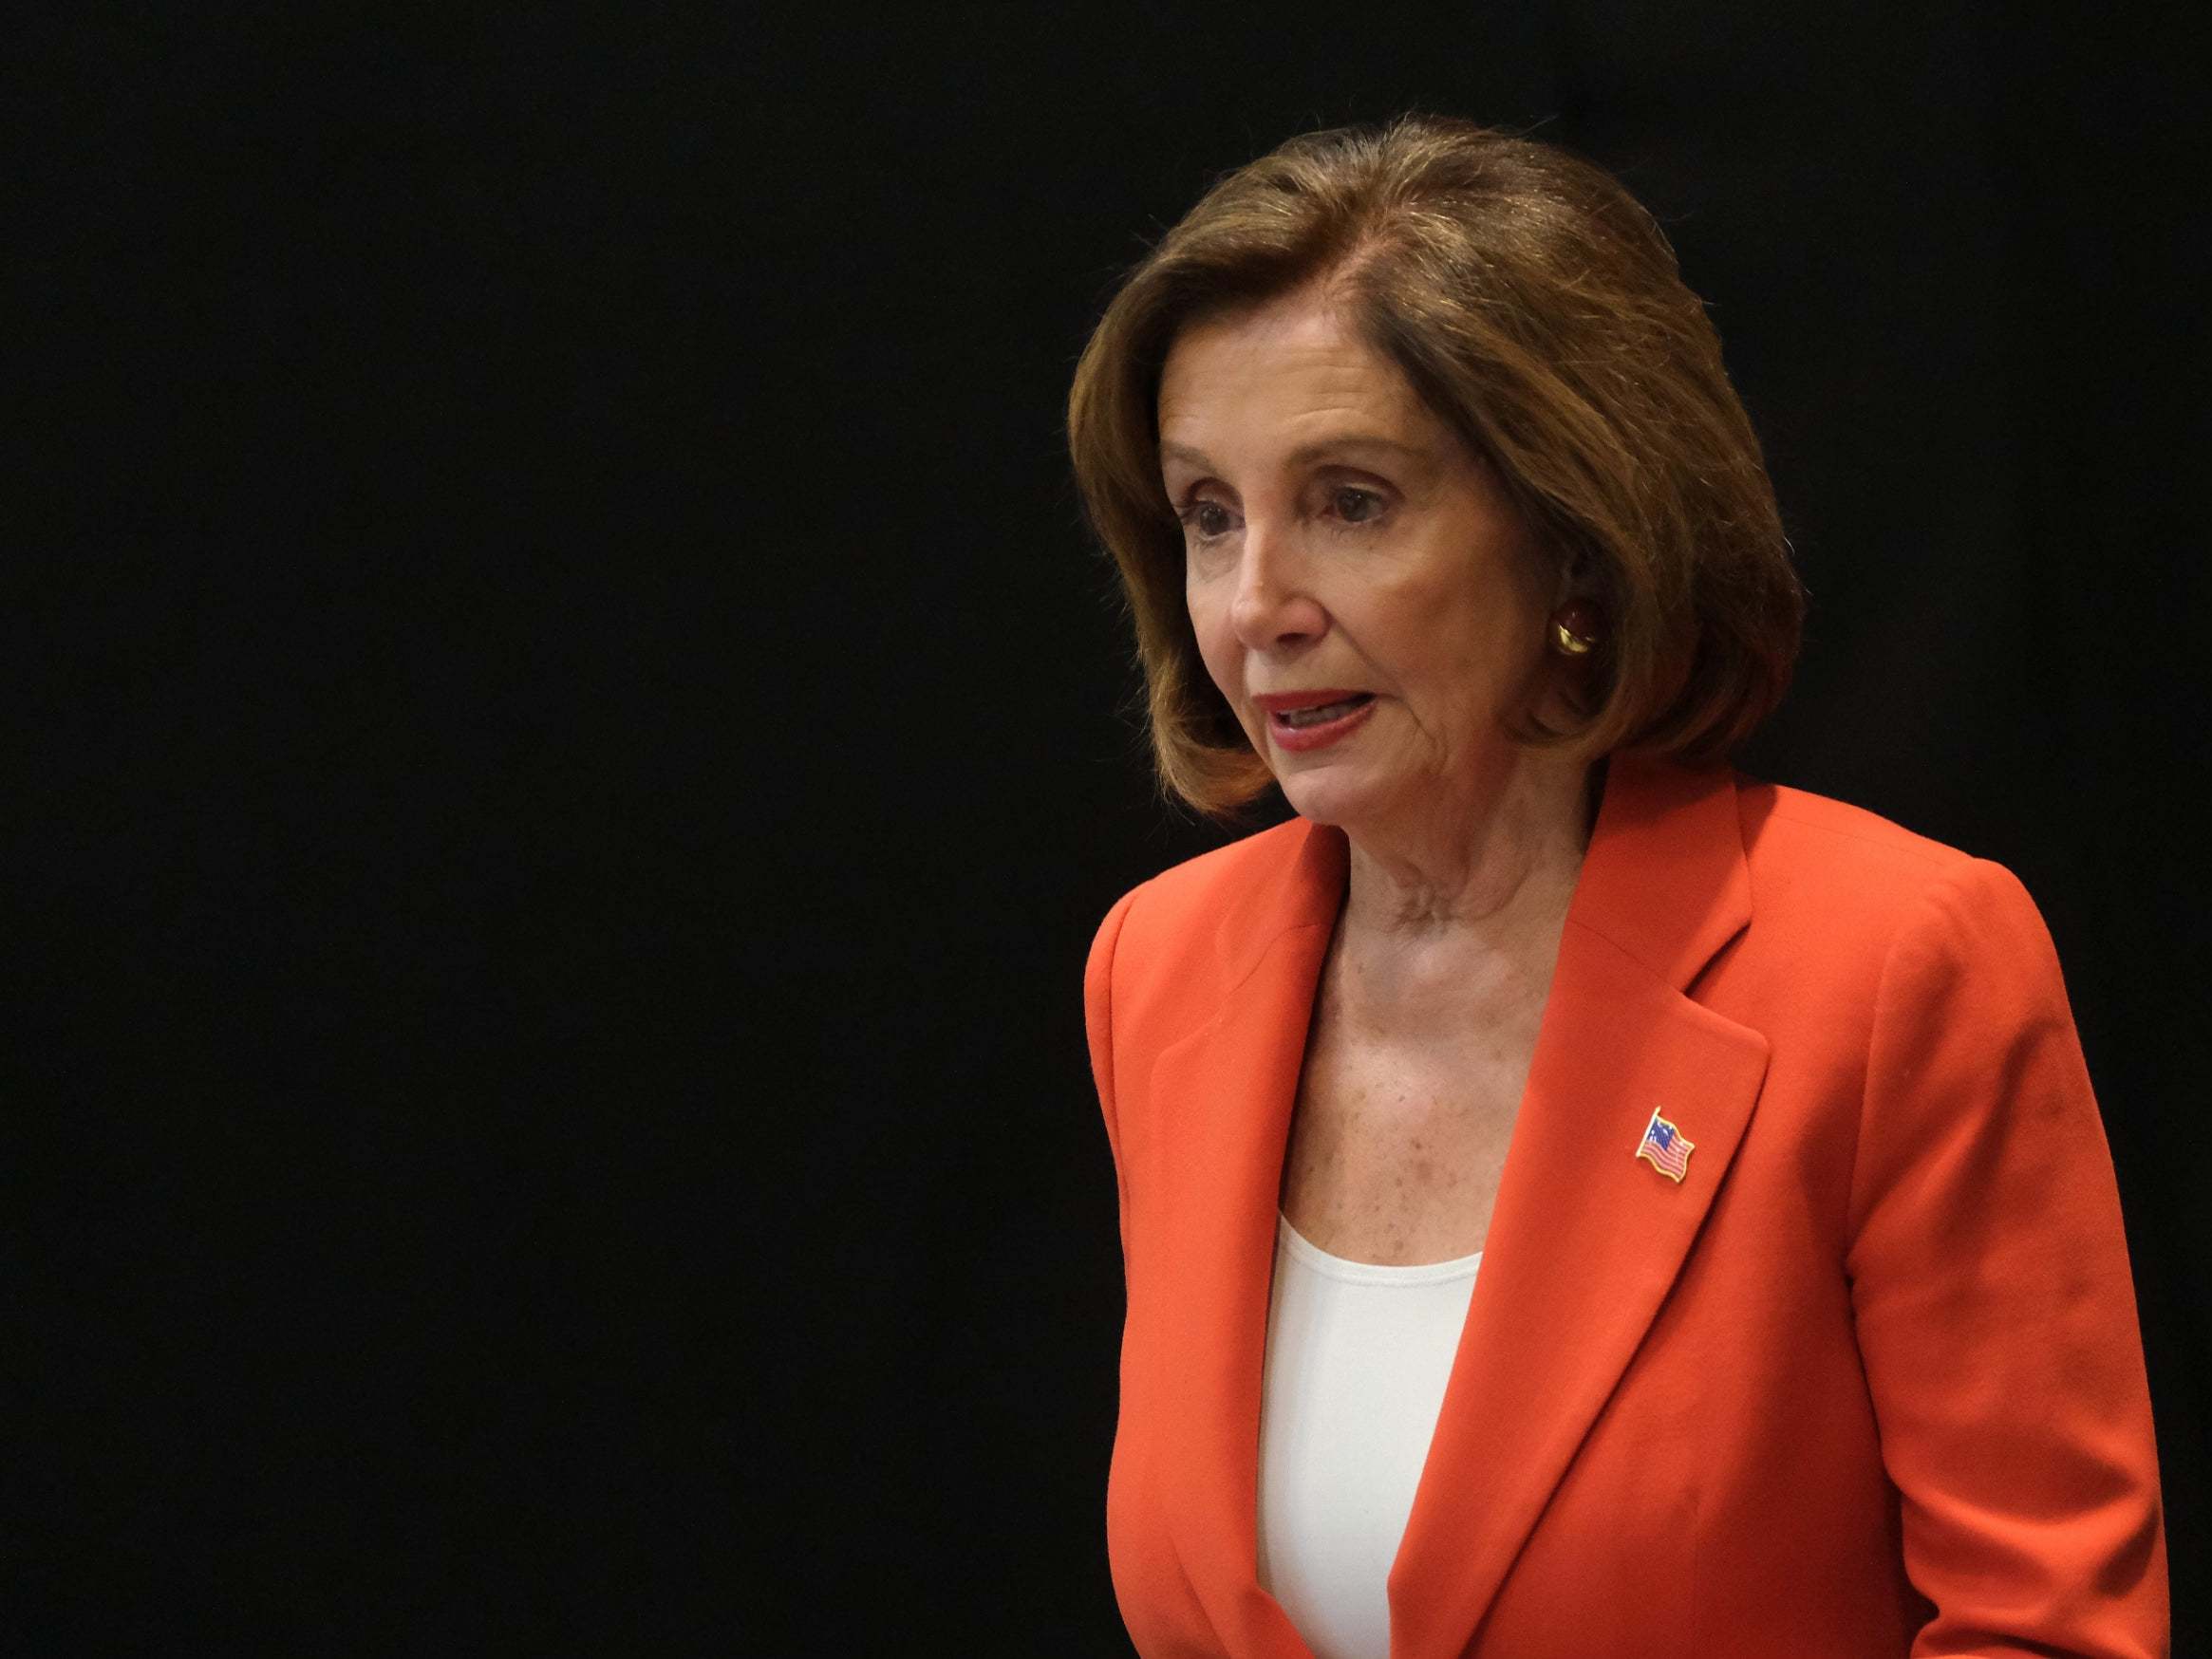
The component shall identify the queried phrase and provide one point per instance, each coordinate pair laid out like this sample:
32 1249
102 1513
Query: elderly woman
1576 1199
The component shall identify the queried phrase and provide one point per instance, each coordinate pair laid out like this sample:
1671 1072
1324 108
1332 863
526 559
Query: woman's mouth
1295 723
1321 714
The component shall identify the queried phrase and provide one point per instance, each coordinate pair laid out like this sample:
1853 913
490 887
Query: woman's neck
1487 870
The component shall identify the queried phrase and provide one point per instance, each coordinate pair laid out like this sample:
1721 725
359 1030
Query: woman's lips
1302 721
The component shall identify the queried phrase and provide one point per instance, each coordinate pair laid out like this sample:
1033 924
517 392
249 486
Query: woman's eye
1358 506
1209 518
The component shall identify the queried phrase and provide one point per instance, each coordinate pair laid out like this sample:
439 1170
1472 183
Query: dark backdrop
577 742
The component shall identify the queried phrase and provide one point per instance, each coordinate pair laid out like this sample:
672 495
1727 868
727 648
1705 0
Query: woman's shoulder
1782 823
1844 873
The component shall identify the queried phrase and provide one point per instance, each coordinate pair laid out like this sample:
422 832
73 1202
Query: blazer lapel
1231 1086
1586 1237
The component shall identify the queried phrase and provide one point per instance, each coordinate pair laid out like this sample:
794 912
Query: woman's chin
1336 795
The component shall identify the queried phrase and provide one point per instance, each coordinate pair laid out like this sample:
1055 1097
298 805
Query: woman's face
1340 539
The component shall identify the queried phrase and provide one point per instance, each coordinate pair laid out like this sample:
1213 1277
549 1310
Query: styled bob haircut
1537 310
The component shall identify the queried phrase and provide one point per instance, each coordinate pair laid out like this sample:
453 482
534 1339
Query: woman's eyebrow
1320 448
1354 443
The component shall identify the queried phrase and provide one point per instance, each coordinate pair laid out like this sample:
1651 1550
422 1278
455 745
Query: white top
1358 1357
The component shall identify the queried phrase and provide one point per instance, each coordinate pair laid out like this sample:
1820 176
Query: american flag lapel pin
1665 1147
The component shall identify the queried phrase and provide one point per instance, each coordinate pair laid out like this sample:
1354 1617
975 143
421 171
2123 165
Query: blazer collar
1305 891
1664 877
1584 1242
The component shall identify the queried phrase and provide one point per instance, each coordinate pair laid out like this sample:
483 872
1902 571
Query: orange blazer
1866 1382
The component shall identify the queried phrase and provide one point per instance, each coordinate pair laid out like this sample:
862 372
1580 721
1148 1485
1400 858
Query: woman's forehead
1289 379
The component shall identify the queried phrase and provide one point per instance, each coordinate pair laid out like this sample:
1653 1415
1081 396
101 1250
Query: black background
575 741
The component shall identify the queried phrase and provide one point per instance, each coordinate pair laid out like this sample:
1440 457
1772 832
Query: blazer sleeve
1994 1310
1098 1026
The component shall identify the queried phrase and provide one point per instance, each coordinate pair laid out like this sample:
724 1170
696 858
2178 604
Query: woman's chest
1397 1141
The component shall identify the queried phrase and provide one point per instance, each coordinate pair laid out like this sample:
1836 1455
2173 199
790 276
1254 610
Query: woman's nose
1272 606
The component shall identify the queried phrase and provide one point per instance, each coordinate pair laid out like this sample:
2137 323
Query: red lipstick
1300 720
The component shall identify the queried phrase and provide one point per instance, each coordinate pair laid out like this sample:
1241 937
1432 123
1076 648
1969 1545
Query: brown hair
1536 308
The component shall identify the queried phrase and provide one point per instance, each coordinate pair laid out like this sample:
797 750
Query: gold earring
1574 629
